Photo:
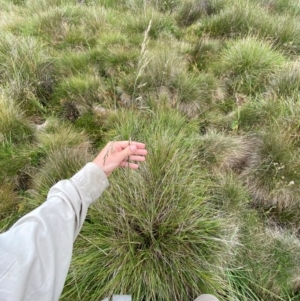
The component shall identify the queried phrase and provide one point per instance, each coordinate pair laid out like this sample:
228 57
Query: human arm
35 253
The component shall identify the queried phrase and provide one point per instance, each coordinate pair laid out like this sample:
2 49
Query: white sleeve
35 254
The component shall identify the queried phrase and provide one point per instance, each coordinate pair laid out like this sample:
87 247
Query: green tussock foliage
191 11
14 127
144 221
67 26
204 51
247 63
285 83
57 135
212 88
59 164
281 6
239 19
8 198
24 69
159 23
82 90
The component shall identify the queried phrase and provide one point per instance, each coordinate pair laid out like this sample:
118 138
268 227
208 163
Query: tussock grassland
212 88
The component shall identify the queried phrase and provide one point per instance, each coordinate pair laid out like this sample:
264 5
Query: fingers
130 165
131 150
124 144
135 158
142 152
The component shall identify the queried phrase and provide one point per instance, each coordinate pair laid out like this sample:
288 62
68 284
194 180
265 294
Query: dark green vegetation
213 88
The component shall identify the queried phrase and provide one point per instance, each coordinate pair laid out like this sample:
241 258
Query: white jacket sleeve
35 254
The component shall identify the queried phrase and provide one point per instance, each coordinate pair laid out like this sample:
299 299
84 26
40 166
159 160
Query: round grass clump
241 19
10 205
272 180
25 69
220 152
8 200
59 164
82 90
154 235
159 23
236 20
247 63
16 162
204 52
114 55
191 11
286 82
14 126
57 135
194 93
289 7
266 256
156 68
70 63
69 26
92 124
267 262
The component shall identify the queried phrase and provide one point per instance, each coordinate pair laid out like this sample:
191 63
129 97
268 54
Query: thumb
129 150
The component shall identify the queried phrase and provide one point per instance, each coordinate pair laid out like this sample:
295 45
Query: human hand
120 153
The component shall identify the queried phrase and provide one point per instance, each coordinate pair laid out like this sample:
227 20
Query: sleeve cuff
93 179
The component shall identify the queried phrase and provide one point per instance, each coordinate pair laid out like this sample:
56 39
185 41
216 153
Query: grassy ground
212 87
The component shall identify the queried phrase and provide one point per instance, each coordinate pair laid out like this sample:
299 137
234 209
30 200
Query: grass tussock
222 152
14 127
8 199
212 88
25 70
272 181
56 135
247 63
83 91
139 224
285 83
205 51
281 6
161 23
67 26
59 164
253 282
191 11
239 19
